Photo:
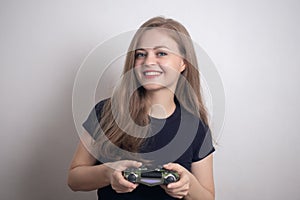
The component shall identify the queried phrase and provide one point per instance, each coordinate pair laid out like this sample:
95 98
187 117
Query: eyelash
140 54
164 53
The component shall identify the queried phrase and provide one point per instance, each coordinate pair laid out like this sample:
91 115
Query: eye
139 55
162 54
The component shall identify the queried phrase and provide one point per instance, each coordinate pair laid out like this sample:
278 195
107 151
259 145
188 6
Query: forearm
197 191
86 178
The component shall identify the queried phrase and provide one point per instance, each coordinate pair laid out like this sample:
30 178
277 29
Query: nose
150 59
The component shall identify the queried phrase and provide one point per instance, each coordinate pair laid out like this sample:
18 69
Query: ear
182 66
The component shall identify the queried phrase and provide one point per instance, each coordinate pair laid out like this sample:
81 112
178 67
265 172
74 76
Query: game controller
150 177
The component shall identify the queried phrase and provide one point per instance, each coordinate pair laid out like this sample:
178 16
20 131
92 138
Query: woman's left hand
180 188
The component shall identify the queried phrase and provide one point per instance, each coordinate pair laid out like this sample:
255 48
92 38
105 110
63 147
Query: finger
177 193
122 181
132 163
169 191
182 190
123 164
123 189
183 181
174 167
128 163
164 187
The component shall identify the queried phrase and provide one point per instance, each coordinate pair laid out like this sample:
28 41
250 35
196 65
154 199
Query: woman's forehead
155 38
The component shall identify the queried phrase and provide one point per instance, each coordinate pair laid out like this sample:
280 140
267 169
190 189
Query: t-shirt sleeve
92 122
203 145
93 119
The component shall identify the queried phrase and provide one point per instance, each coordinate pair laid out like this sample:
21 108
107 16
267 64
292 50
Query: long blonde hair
187 91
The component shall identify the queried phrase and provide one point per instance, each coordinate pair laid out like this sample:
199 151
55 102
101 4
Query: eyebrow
157 47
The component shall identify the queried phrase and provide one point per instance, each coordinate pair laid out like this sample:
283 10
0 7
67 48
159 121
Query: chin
153 87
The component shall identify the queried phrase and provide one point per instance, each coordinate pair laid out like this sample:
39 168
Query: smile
152 73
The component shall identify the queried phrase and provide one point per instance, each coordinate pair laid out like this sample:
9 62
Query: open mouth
151 74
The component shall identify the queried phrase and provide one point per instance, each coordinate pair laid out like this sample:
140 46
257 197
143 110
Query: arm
202 184
84 175
195 185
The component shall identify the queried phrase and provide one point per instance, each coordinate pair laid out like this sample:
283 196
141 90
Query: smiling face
158 62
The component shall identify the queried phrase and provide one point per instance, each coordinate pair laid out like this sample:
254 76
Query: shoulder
200 130
99 107
94 117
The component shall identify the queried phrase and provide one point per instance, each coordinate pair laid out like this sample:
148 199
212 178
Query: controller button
170 179
132 178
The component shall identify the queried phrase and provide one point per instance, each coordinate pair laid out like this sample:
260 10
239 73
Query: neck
162 103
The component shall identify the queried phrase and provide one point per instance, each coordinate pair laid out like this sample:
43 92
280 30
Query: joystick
150 177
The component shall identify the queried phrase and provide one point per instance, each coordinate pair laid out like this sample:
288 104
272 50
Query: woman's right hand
117 181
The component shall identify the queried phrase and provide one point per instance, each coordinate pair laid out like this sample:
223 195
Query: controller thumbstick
131 178
170 179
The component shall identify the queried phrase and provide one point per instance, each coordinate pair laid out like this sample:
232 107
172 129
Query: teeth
152 73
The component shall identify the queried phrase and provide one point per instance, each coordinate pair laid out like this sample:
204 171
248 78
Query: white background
255 46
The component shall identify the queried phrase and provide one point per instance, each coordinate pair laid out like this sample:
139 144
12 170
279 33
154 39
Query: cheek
138 71
172 66
174 62
179 65
138 62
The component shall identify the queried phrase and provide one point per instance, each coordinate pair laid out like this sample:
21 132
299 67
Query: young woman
157 102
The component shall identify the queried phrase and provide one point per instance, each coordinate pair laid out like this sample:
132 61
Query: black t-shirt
181 138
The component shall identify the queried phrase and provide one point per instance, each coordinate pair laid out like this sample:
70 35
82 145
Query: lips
152 73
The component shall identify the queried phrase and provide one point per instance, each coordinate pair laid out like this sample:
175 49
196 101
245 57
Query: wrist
192 183
106 172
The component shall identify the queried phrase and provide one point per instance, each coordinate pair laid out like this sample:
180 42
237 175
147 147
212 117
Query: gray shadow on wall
45 174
